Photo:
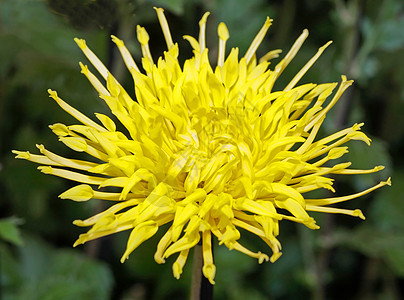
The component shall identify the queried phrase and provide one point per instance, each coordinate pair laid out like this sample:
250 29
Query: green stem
196 273
201 289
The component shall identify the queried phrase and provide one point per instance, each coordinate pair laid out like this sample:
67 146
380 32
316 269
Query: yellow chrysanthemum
207 150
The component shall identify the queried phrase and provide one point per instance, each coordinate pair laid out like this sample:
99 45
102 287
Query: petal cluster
208 151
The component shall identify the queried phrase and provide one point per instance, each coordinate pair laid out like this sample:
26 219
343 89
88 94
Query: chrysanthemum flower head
206 150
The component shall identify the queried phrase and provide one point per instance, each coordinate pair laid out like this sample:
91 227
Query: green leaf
48 273
231 265
284 276
10 232
234 14
373 242
364 157
10 272
395 259
175 6
387 210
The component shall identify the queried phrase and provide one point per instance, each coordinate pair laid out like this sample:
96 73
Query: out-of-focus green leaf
231 267
175 6
386 32
395 258
382 32
48 273
39 49
87 13
364 157
387 209
37 52
283 276
10 232
240 292
373 242
141 265
9 268
241 32
382 238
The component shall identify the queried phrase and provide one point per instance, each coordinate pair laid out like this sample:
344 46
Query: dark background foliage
346 259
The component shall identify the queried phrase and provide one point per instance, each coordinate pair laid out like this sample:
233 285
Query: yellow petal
82 192
139 234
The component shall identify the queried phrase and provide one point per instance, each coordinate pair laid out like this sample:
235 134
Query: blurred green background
346 259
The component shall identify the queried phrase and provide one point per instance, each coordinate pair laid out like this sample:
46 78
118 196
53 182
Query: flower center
216 148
